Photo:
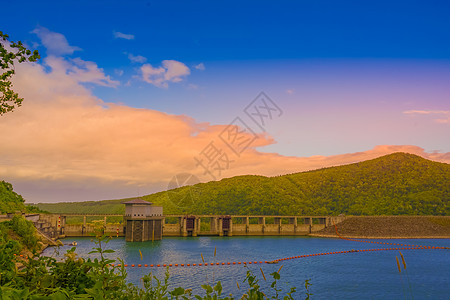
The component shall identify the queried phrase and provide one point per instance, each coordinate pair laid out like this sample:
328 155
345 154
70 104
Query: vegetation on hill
395 184
11 202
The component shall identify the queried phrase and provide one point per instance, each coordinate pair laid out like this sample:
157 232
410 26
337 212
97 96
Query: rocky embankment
390 227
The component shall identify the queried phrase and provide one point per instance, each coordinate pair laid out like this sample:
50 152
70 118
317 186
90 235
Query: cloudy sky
128 95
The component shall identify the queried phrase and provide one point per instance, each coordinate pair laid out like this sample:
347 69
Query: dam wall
199 225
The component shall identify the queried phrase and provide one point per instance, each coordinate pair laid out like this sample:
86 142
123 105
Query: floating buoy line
229 263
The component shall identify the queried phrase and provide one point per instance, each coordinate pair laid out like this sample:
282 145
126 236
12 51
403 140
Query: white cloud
56 43
78 70
290 92
200 67
170 71
120 35
88 71
137 58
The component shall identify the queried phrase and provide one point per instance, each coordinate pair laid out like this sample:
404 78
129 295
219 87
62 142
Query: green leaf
177 292
218 288
207 288
59 296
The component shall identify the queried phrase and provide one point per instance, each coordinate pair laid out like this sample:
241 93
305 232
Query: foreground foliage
41 277
395 184
11 52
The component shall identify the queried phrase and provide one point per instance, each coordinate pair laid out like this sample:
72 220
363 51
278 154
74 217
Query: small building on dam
143 221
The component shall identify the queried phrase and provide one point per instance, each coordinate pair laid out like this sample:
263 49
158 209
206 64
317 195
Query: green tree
10 53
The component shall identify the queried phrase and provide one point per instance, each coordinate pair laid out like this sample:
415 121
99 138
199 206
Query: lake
372 275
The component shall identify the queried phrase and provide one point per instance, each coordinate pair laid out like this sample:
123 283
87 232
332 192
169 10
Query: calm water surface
371 275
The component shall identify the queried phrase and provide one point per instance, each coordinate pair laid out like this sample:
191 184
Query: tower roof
137 201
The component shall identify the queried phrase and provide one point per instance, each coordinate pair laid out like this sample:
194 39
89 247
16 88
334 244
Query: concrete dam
189 225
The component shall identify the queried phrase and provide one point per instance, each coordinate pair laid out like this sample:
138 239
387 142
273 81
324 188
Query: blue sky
349 76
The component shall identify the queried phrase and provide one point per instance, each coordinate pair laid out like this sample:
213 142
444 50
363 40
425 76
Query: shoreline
378 237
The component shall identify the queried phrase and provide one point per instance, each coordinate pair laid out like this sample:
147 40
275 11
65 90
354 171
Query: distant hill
395 184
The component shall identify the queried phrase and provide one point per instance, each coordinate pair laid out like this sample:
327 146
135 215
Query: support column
247 225
277 221
183 226
213 225
194 231
132 230
153 230
220 227
262 220
63 225
83 229
230 231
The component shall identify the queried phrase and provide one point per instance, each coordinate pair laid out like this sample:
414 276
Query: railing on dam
203 225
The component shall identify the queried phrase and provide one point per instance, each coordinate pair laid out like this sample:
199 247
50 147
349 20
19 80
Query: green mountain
10 201
395 184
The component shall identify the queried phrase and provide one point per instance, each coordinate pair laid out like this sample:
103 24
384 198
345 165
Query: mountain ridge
394 184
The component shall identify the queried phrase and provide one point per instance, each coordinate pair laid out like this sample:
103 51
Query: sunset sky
129 94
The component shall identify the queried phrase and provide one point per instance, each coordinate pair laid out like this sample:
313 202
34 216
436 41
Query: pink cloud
66 136
443 116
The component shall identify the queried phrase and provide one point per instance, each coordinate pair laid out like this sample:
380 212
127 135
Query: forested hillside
10 201
395 184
